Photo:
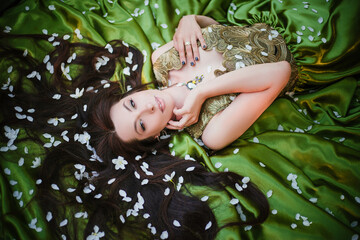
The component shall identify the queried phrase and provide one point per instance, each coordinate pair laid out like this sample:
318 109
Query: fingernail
183 62
204 46
192 64
196 59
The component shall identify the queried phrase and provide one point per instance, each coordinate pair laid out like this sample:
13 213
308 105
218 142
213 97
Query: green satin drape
314 135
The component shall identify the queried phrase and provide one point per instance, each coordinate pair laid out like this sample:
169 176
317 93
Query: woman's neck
179 94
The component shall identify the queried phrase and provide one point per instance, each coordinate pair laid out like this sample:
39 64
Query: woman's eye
142 125
132 103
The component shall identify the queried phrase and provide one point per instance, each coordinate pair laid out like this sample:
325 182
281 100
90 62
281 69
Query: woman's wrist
201 93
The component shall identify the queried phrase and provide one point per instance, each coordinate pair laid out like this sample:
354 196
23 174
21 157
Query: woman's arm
203 21
259 90
259 85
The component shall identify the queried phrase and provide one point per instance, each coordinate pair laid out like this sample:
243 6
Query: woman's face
142 115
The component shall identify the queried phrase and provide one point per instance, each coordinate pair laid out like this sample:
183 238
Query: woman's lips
160 103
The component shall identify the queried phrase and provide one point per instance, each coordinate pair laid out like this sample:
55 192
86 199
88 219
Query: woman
119 184
176 107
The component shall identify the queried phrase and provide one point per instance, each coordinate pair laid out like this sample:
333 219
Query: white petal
21 162
126 71
189 169
122 219
55 187
122 193
19 109
48 216
63 223
238 187
208 225
7 171
111 180
218 164
164 235
145 181
234 201
205 198
78 199
245 180
176 223
97 196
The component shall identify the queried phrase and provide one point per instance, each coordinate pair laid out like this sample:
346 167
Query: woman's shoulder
158 52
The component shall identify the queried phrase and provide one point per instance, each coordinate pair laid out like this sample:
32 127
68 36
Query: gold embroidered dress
241 47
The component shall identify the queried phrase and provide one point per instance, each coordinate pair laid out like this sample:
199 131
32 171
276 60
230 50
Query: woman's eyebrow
126 107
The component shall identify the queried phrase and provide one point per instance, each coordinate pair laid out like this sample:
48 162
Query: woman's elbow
284 72
213 143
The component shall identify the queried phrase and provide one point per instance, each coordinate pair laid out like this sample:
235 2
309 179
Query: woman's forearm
204 21
254 78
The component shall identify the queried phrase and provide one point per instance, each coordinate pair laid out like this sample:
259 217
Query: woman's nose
150 107
147 108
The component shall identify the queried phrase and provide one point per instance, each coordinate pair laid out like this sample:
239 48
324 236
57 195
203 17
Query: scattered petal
164 235
176 223
63 223
48 216
218 165
234 201
190 169
208 225
205 198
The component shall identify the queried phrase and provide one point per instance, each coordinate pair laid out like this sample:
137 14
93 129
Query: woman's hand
185 39
189 112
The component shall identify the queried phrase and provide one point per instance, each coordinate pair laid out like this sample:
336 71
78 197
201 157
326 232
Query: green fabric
315 135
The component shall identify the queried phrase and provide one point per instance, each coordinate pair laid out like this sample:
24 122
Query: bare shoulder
161 50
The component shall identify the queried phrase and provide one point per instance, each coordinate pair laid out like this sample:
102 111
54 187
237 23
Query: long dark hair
121 188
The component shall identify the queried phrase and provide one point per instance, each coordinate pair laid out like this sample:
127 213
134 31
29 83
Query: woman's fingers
180 111
189 53
179 46
175 125
195 49
202 41
185 121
